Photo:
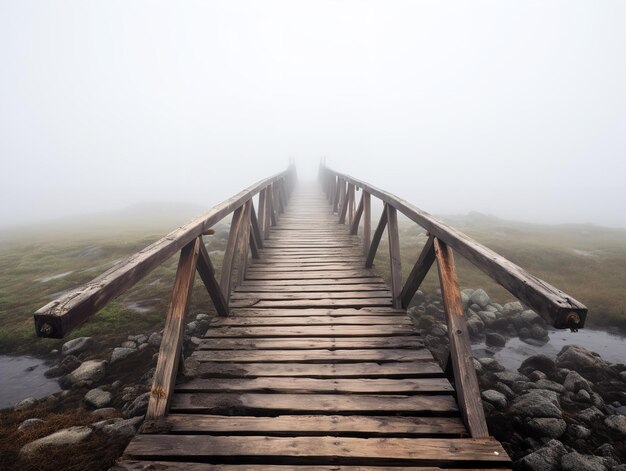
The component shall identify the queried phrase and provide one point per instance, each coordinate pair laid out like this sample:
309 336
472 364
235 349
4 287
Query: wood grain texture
171 344
207 274
378 234
419 272
465 380
394 256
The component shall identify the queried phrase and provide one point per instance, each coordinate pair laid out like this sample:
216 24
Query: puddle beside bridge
22 377
612 347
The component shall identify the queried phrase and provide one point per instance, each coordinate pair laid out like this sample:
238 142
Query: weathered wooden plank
311 320
465 380
252 288
322 302
332 312
60 316
207 274
419 272
171 344
325 450
320 370
407 386
553 304
378 234
309 343
394 255
315 275
371 404
337 425
310 331
308 295
352 280
135 465
315 355
226 274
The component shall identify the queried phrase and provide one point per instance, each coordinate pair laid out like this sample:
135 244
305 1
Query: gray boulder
28 423
537 403
119 353
67 436
540 362
494 339
129 344
578 431
97 398
76 346
576 462
88 373
487 317
494 397
154 339
574 382
589 364
475 326
617 424
538 332
137 407
590 415
118 427
480 297
547 458
531 317
511 308
547 427
509 377
25 404
491 364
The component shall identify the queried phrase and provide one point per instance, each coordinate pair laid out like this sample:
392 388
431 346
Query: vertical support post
351 195
394 255
367 222
273 205
354 224
171 344
337 195
243 243
207 274
268 212
256 231
227 262
344 204
262 209
465 381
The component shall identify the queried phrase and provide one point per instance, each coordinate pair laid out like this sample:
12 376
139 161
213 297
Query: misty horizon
513 110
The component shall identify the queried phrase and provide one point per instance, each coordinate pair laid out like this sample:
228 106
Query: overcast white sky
513 108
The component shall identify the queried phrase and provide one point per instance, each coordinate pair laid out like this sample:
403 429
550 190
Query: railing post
207 274
351 195
268 212
466 383
394 255
419 272
171 343
262 209
354 228
344 203
243 243
229 253
367 222
256 230
378 234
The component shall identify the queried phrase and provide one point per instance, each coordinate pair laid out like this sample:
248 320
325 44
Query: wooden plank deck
313 369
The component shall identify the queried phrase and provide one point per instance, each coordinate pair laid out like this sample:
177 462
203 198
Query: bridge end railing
558 308
246 238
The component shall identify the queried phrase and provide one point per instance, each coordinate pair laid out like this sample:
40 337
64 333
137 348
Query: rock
487 317
529 317
495 340
547 427
116 384
25 404
104 413
98 398
76 346
465 299
537 375
590 415
547 458
620 410
589 364
138 406
573 382
439 330
88 373
119 353
578 431
203 317
576 462
538 332
141 338
480 297
583 396
540 362
129 392
504 389
69 363
67 436
154 339
494 397
514 307
508 377
606 449
617 424
118 427
537 403
128 344
28 423
477 366
491 364
550 385
475 327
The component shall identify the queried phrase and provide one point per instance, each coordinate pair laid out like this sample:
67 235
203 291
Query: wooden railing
554 305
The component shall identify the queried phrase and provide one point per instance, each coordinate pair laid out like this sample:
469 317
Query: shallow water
611 347
22 377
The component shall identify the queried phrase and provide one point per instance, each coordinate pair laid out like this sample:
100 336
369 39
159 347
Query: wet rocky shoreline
567 412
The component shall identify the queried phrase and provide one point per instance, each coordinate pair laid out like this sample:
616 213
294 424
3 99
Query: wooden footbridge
312 362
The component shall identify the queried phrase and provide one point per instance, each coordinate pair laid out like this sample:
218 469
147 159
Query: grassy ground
587 262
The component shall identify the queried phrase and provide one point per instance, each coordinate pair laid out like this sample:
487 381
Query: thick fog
516 109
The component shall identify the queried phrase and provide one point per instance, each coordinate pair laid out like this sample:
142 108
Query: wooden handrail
557 307
60 316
